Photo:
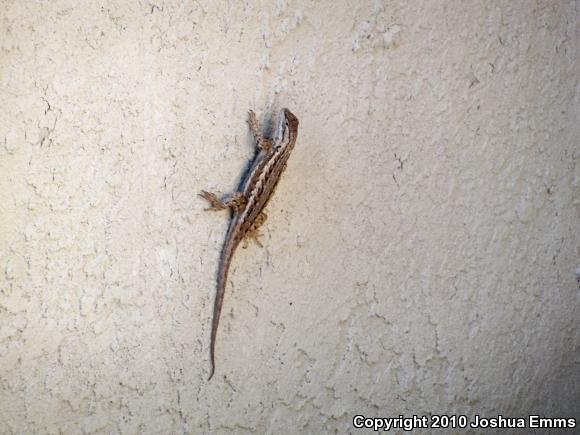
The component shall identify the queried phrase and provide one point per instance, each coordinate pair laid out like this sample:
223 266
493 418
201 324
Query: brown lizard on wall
248 205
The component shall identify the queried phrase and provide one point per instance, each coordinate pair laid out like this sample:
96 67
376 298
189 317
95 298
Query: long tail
222 278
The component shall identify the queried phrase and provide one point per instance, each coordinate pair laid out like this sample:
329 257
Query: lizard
247 205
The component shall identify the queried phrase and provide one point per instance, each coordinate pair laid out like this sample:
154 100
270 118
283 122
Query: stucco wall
420 251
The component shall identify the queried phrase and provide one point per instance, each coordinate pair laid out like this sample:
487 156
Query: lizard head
287 129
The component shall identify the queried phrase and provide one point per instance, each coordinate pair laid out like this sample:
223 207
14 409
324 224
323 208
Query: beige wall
419 255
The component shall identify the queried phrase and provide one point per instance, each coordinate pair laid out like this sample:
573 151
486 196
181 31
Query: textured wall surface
420 253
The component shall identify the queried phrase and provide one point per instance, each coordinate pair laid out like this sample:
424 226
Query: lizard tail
219 299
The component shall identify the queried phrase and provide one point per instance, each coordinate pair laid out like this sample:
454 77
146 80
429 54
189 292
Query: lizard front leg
237 201
261 142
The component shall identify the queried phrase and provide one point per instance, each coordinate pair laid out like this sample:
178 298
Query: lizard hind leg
238 200
254 231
